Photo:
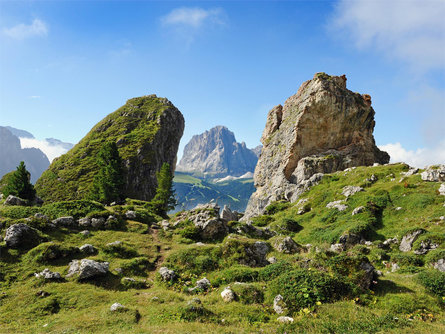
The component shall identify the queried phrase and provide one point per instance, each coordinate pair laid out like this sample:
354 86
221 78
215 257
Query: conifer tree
108 182
19 184
164 199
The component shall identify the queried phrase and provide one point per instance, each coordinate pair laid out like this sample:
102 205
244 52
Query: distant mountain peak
217 153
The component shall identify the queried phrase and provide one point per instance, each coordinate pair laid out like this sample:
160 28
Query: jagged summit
217 153
323 128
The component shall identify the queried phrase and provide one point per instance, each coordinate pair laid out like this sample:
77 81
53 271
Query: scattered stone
42 294
228 295
408 240
14 200
350 239
389 242
337 248
85 269
167 274
394 267
65 222
425 247
440 265
119 271
130 214
84 222
358 210
98 222
442 189
165 224
21 236
114 243
88 249
228 215
286 245
351 190
85 233
434 174
372 179
366 280
398 208
272 259
203 284
368 243
48 275
411 171
285 320
41 216
279 305
337 205
117 307
111 221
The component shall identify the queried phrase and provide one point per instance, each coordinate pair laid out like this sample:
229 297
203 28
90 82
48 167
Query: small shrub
435 255
434 281
191 232
407 260
136 266
195 260
235 273
18 212
77 209
274 270
133 284
286 224
50 252
248 293
194 312
262 221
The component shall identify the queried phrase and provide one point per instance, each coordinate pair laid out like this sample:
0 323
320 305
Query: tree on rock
164 199
108 182
18 184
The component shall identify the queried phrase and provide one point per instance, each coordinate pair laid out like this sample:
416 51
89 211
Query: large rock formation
11 153
216 153
147 131
323 128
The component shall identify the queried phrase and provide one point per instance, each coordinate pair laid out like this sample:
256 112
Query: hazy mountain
11 153
216 153
19 132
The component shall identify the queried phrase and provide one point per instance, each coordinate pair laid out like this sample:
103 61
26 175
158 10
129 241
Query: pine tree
108 182
19 184
164 199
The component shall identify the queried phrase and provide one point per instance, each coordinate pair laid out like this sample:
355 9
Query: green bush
99 214
434 281
136 266
195 260
190 232
77 209
274 270
194 311
18 212
248 293
128 283
303 288
435 255
262 221
236 273
435 238
275 207
407 260
286 224
121 250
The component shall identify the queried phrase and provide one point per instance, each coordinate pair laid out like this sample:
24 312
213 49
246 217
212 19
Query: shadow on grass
108 282
385 287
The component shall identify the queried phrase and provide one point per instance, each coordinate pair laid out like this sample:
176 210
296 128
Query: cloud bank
51 151
193 17
411 31
419 158
37 28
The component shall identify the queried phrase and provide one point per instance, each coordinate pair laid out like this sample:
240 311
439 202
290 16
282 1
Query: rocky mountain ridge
323 128
216 153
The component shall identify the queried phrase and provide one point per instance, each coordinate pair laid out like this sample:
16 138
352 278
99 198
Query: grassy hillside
324 291
192 190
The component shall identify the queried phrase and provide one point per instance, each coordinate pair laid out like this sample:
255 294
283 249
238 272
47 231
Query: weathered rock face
86 269
147 131
321 129
217 153
21 236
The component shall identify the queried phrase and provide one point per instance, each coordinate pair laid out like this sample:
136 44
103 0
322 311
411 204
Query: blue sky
64 65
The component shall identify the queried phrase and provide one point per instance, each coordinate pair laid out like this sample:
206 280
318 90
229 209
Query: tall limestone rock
147 131
322 129
217 153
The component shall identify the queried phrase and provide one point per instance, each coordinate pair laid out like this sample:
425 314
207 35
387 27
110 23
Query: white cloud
411 31
22 31
419 158
193 17
51 151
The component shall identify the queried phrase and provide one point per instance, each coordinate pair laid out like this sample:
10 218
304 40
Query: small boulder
442 189
14 200
286 245
41 216
84 222
350 239
228 295
351 190
358 210
203 284
167 274
228 215
272 259
88 249
434 174
98 222
85 269
337 205
425 246
130 214
337 248
85 233
285 320
65 222
21 236
279 305
408 240
117 307
439 265
48 275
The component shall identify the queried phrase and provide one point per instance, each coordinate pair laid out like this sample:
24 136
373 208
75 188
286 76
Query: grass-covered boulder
146 131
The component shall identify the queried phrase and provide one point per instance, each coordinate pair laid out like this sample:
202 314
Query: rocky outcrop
217 153
21 236
322 129
434 173
11 153
408 240
87 269
147 131
14 200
